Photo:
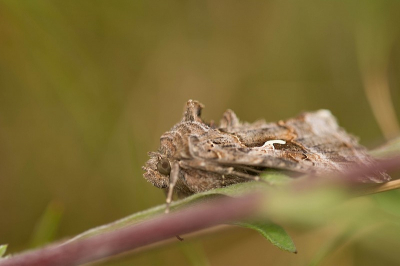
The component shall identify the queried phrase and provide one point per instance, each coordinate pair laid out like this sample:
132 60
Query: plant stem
162 227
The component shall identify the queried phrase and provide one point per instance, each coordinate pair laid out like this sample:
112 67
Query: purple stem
162 227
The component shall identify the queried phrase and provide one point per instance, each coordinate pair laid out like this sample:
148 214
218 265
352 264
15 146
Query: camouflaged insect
195 156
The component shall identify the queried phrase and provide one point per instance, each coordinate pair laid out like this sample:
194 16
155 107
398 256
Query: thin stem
395 184
163 227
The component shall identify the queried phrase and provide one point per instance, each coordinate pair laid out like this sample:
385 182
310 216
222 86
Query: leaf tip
3 249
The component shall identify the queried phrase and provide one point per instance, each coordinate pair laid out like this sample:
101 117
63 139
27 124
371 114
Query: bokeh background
88 87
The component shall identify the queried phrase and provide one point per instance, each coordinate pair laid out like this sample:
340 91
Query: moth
195 156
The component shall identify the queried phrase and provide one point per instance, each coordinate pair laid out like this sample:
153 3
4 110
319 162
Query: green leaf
46 227
275 178
273 232
331 245
305 207
235 190
388 202
3 249
388 149
194 253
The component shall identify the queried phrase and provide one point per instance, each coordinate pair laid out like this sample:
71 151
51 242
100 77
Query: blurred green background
88 87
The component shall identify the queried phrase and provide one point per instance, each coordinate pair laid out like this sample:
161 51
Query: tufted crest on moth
193 111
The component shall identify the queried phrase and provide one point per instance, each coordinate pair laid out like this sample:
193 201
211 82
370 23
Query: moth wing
232 154
314 144
320 132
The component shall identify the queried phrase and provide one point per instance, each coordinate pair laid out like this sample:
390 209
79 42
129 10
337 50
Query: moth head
157 170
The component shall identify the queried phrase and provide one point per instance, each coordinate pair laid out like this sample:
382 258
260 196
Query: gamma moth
196 156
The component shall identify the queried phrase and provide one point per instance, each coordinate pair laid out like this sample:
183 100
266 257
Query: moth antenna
173 178
193 111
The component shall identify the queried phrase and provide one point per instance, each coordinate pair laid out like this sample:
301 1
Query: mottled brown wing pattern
195 156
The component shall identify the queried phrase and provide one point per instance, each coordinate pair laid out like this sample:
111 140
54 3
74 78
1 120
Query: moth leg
173 178
231 171
211 167
244 167
244 175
